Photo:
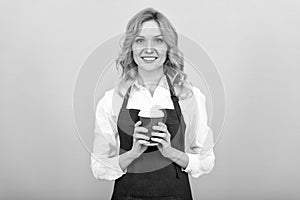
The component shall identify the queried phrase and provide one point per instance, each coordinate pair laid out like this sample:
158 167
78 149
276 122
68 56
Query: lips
149 58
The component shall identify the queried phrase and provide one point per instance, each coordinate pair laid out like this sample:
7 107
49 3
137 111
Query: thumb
137 123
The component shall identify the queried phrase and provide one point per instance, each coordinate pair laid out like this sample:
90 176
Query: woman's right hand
140 139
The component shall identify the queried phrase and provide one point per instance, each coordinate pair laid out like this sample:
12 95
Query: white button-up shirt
198 135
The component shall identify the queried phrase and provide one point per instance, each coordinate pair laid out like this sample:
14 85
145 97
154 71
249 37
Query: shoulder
108 95
193 102
199 98
106 98
196 96
197 93
110 102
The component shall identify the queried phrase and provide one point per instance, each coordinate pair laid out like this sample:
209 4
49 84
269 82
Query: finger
144 142
168 136
152 144
141 136
159 128
162 124
162 135
147 143
137 123
159 140
140 129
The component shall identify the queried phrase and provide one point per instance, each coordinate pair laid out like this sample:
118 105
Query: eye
139 40
159 40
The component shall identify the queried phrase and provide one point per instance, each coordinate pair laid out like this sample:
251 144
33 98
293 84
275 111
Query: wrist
133 154
168 152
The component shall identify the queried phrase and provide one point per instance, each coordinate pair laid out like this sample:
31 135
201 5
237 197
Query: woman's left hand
164 140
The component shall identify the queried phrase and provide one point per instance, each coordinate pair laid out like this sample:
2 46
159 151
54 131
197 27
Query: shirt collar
163 83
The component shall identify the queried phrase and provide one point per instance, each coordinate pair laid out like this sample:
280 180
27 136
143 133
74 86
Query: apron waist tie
177 171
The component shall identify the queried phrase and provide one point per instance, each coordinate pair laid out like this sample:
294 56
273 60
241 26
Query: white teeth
149 58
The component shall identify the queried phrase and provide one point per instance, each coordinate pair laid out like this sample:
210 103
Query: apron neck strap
171 88
126 97
172 91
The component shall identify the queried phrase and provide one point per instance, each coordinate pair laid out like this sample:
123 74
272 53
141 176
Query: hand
164 142
139 139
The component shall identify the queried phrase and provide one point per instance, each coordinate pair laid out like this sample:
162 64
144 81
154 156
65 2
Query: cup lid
153 113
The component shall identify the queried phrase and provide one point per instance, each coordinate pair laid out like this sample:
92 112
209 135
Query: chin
150 68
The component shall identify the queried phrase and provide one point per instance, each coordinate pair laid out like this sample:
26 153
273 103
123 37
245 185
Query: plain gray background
255 45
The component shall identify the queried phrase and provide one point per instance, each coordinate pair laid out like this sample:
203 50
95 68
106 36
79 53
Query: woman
152 76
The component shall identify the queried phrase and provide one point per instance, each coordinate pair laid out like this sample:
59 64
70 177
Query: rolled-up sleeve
200 147
105 155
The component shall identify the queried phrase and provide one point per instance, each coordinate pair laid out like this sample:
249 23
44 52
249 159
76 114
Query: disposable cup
150 119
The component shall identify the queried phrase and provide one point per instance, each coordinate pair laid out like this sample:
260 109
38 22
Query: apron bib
152 176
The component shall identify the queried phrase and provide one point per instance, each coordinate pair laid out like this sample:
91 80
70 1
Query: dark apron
152 176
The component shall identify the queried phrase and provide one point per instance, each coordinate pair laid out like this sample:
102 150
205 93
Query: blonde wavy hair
174 64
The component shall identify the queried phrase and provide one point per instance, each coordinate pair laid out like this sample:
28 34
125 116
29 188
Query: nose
149 47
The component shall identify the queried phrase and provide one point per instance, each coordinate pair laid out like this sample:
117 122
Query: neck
150 79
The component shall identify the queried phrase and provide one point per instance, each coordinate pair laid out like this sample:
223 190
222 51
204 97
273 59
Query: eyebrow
153 36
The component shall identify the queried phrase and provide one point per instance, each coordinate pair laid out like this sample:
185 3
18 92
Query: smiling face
149 48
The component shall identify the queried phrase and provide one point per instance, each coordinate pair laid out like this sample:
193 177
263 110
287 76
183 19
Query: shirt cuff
197 167
106 168
193 162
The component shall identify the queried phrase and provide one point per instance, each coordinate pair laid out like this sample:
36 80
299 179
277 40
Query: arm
195 164
106 163
198 157
199 148
203 161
